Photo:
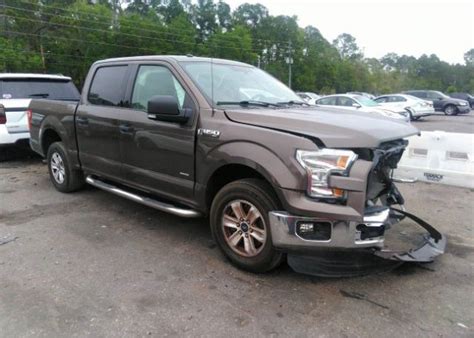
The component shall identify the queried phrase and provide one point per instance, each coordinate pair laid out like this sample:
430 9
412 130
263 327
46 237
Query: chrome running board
172 209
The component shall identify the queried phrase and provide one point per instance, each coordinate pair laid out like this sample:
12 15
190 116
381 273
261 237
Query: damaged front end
343 245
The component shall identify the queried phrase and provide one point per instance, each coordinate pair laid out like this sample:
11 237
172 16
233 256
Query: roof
352 96
33 76
174 58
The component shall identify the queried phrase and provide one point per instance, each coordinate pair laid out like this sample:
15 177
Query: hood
456 101
336 128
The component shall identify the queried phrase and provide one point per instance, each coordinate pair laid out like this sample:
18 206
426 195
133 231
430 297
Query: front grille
385 159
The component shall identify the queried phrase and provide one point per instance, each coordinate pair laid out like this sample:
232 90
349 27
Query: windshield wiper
247 103
39 94
291 103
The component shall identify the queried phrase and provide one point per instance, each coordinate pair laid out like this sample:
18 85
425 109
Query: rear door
158 156
97 121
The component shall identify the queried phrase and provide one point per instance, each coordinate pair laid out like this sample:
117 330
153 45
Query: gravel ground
92 264
456 124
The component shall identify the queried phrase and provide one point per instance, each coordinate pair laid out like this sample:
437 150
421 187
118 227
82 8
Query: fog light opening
314 230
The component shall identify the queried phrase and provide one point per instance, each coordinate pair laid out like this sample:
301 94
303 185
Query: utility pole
289 61
3 24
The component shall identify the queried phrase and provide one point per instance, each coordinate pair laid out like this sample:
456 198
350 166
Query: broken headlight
320 164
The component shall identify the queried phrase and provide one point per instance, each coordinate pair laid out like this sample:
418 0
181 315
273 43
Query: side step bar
172 209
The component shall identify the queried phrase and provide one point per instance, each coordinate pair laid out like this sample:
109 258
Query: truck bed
59 115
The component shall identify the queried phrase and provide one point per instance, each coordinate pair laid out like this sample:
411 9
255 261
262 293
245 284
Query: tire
245 195
450 110
63 176
410 113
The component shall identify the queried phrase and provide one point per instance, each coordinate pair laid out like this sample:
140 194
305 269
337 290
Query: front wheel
450 110
240 224
63 176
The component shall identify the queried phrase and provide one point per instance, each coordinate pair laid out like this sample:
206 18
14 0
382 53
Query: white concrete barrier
438 156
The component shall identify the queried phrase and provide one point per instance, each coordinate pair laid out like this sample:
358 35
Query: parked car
359 103
179 134
417 108
442 102
16 92
370 96
308 97
464 96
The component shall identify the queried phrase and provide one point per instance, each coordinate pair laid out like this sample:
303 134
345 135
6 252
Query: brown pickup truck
277 178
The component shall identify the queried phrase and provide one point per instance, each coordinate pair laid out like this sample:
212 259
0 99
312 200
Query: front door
158 156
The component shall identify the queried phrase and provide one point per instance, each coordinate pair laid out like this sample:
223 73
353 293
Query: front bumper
423 112
354 247
463 109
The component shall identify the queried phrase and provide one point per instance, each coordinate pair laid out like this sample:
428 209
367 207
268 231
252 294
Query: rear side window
396 99
418 94
37 88
108 85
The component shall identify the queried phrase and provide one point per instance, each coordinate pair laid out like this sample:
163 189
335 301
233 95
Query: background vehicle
308 97
359 103
464 96
442 102
416 107
16 92
370 96
273 174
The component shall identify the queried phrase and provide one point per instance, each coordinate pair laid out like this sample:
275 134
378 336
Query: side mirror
165 108
356 105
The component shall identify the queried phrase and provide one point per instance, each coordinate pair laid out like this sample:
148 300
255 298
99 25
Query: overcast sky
412 27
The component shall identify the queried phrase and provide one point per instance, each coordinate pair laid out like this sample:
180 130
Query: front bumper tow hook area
357 262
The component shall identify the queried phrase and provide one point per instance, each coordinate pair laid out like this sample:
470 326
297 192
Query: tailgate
17 120
15 112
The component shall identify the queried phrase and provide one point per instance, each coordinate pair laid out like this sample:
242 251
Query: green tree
347 46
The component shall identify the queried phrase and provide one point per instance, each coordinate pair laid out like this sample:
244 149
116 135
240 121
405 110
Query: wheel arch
249 160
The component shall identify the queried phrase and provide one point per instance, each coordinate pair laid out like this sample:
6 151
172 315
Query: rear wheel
63 176
450 110
240 224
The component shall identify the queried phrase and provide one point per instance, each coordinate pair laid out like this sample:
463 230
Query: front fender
281 171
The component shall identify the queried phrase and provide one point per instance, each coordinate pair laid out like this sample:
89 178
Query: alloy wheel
244 228
57 168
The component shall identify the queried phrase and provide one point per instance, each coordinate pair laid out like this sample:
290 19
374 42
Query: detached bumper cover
353 248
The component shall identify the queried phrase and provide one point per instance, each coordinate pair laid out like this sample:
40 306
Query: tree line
67 36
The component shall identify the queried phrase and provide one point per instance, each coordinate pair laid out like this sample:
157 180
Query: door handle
126 128
83 121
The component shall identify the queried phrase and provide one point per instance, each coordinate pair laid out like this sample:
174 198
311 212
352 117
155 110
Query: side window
382 99
345 101
156 80
396 99
108 86
328 101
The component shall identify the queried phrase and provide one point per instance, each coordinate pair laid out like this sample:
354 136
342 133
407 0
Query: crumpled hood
336 128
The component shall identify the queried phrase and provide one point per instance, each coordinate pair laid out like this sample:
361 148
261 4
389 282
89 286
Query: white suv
16 92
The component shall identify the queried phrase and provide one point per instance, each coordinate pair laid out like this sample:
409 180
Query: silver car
363 104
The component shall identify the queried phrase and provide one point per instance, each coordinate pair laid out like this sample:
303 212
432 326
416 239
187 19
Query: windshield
365 101
236 83
37 89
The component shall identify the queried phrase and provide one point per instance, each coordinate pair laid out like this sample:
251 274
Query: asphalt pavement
457 124
93 264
